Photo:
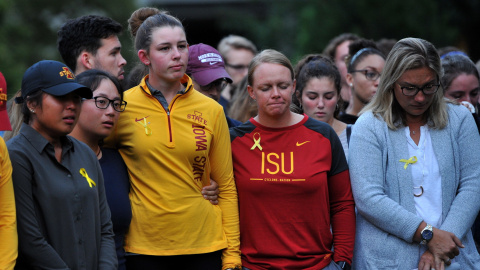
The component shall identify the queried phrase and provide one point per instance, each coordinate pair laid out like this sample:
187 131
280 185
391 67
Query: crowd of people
231 158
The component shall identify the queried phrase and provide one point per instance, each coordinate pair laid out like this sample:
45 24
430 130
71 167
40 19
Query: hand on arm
443 246
211 192
427 261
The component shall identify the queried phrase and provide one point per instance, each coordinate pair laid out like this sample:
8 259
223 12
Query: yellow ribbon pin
83 172
148 130
256 142
411 160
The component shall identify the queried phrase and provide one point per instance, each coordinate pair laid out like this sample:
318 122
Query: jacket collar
185 80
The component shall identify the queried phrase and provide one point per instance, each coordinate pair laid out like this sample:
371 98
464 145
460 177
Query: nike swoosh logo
213 63
300 144
141 119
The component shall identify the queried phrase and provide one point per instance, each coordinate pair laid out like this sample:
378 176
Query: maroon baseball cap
205 64
4 121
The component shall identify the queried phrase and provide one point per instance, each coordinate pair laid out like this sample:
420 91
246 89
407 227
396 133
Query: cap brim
66 88
4 121
205 77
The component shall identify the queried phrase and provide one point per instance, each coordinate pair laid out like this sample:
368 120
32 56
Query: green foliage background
28 30
301 27
296 27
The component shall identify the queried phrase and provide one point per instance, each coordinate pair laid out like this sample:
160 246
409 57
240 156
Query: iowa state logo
68 73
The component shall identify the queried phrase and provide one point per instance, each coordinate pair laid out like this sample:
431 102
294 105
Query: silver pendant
421 191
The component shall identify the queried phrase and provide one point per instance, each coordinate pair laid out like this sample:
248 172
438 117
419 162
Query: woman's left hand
444 246
211 192
427 261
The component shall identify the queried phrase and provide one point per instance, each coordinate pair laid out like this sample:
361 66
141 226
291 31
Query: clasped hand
441 249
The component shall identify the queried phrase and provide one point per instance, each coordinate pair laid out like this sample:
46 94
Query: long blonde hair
16 117
408 54
242 106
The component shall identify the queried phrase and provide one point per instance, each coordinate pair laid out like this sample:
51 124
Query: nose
72 104
420 96
109 110
275 92
176 52
123 62
376 82
320 103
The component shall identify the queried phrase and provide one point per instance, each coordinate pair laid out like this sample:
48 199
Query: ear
31 105
250 92
349 79
298 96
294 86
86 60
143 56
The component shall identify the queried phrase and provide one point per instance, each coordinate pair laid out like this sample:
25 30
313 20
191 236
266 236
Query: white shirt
425 173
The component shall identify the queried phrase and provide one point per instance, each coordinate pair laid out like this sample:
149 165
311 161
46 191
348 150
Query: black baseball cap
51 77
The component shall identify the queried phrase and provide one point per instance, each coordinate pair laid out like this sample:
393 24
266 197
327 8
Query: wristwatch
344 265
427 234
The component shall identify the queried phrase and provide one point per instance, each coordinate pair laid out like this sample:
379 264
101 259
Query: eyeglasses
428 89
103 102
370 75
219 85
237 67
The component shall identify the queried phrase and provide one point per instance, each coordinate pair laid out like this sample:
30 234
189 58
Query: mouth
108 124
121 75
69 119
177 67
276 103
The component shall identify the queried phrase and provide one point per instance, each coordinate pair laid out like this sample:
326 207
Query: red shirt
293 186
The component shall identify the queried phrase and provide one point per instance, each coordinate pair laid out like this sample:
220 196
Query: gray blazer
383 190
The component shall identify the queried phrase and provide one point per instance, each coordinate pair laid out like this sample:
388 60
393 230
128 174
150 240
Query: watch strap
344 265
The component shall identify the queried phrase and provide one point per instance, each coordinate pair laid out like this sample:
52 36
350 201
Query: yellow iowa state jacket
8 217
170 156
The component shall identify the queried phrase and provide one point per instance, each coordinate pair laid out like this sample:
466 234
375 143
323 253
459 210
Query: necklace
423 179
421 191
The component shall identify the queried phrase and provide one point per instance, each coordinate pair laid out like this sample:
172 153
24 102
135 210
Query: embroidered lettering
201 138
67 72
197 117
198 167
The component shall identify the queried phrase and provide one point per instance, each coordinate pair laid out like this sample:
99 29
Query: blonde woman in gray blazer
414 170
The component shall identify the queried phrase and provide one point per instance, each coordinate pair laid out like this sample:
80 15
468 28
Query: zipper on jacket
166 110
169 119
